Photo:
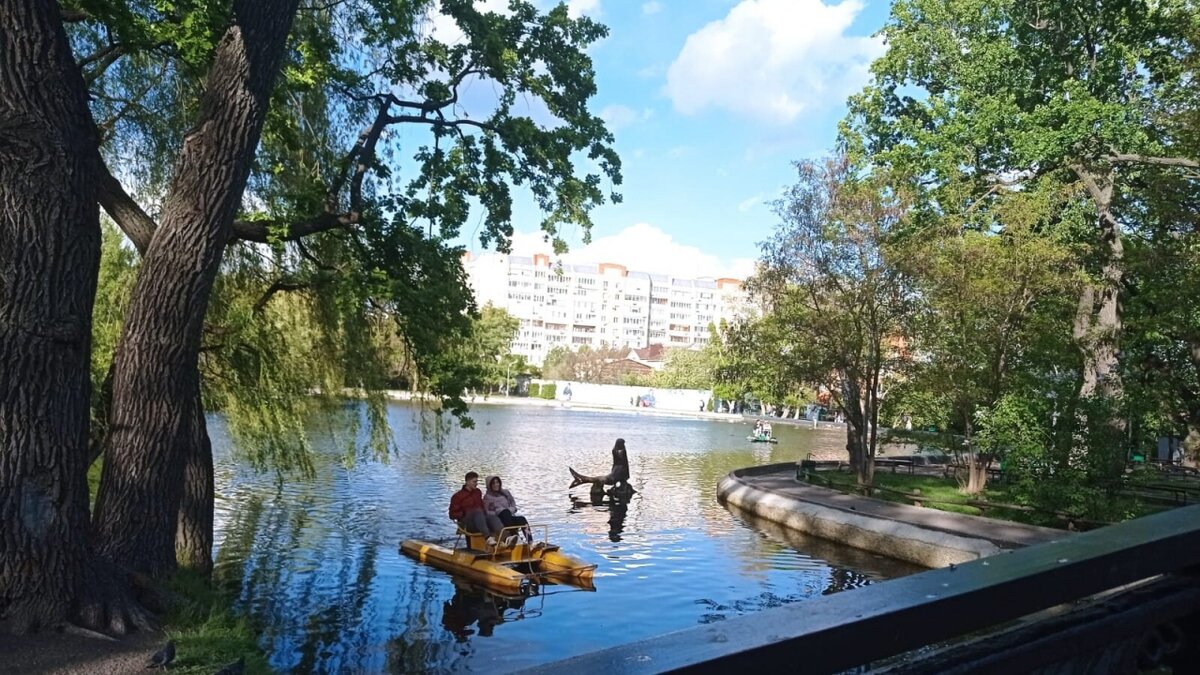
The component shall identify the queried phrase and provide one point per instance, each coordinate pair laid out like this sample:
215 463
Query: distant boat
762 439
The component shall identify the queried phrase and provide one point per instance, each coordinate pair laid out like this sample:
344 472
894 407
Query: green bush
549 390
709 405
534 389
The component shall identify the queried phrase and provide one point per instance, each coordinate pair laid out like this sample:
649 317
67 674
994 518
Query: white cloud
652 7
577 8
773 60
652 71
642 248
443 27
620 116
751 202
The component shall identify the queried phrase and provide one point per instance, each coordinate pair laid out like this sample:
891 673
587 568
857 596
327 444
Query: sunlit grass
207 633
945 494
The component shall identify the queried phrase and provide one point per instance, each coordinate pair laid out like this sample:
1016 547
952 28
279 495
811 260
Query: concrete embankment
914 534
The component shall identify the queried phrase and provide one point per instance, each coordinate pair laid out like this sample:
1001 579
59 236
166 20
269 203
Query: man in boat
466 509
619 476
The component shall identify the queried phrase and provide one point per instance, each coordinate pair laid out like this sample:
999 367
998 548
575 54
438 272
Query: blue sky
710 102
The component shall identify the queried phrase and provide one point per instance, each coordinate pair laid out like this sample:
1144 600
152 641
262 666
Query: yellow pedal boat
508 569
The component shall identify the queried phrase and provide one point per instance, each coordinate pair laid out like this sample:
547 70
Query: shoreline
527 401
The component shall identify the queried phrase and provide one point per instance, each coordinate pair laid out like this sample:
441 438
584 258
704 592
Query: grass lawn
944 494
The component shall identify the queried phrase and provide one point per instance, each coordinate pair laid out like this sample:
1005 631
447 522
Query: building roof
654 352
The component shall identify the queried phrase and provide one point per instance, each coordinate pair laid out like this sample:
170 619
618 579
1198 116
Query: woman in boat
466 509
499 504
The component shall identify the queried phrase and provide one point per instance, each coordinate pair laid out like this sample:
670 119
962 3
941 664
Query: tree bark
1098 319
49 262
154 408
194 529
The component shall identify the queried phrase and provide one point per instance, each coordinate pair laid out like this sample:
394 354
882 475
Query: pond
317 562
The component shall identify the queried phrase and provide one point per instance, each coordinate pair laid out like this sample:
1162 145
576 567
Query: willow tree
49 252
327 210
978 97
828 284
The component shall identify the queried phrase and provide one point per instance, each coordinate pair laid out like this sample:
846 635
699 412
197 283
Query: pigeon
163 657
236 668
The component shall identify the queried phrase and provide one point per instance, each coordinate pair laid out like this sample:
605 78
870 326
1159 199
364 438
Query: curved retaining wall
930 548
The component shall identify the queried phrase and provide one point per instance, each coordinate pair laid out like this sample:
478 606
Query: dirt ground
64 654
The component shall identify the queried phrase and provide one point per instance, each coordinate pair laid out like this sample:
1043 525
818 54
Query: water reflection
317 562
616 507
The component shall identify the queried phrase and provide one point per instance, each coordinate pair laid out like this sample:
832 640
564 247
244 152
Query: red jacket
465 501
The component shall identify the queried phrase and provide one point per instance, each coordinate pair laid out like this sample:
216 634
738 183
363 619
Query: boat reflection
476 610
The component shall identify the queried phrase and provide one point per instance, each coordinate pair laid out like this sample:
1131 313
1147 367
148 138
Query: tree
325 214
49 253
584 364
973 99
157 435
828 284
991 316
383 260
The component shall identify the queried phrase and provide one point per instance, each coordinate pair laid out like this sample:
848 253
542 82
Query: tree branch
1121 158
456 124
125 211
260 230
73 15
279 285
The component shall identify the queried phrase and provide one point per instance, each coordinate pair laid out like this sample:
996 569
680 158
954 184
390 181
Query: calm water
318 562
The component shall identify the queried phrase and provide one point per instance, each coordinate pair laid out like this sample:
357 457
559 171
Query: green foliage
688 369
549 390
835 298
585 364
1018 128
207 633
347 282
535 389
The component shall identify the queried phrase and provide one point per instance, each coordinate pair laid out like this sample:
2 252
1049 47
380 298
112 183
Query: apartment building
604 304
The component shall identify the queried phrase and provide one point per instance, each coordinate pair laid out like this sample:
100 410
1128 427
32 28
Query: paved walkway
1003 533
51 653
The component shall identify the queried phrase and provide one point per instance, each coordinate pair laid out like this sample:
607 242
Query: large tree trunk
194 530
154 406
49 261
1098 319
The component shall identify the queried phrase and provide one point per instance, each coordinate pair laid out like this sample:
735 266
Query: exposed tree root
108 603
72 629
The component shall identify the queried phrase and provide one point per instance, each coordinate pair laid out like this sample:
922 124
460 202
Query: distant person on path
567 392
466 509
499 504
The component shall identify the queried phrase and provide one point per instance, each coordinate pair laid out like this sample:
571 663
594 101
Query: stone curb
903 541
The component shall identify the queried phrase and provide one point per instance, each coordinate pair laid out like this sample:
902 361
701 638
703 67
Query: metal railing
857 627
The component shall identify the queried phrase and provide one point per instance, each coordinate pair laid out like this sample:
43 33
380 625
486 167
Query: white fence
617 395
